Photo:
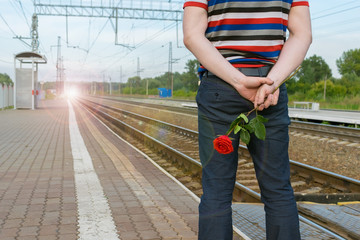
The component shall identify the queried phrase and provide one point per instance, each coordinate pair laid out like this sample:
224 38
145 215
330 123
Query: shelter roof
28 57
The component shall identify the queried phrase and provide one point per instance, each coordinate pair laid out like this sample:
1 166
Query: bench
308 105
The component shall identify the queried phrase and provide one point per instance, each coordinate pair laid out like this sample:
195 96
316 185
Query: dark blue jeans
219 104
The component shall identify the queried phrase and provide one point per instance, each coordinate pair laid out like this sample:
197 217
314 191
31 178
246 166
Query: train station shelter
26 79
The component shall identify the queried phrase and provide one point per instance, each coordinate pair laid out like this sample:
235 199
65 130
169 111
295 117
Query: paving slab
343 216
148 204
250 219
39 179
36 173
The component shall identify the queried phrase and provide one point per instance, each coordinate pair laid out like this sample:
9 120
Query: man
244 56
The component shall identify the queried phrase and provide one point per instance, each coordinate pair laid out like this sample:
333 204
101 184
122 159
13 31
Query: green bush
182 93
5 80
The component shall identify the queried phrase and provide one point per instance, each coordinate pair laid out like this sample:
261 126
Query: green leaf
243 116
237 121
233 124
249 127
262 119
237 129
260 131
253 122
245 136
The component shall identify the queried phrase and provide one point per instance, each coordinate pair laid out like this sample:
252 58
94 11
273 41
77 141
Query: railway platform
344 218
333 116
65 175
340 117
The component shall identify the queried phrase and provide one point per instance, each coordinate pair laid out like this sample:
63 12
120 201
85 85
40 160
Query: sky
89 51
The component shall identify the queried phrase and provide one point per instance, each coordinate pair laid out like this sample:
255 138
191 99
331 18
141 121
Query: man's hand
266 96
248 87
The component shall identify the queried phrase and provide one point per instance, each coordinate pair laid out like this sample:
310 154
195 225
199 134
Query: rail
242 193
350 187
332 131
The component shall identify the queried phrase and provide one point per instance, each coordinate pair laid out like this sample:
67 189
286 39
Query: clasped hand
259 90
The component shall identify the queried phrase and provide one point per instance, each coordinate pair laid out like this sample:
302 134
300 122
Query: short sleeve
299 3
196 3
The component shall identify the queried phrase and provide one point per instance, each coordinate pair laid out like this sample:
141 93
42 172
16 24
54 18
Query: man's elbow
309 37
188 40
303 36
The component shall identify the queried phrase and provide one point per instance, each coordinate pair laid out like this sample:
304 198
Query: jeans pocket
220 103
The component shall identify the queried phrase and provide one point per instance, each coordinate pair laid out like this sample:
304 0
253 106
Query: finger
260 97
261 107
268 100
253 82
257 98
266 81
276 97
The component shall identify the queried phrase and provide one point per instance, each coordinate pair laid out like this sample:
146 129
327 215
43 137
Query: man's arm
291 56
195 23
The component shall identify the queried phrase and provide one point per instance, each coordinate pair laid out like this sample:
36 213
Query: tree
332 90
5 79
313 69
135 81
292 85
352 83
177 81
50 85
154 83
349 62
190 78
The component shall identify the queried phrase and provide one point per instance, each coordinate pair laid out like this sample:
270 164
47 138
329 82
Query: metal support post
32 85
14 92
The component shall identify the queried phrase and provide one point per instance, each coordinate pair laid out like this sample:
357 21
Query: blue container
163 92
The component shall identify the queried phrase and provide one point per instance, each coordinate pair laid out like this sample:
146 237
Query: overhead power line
336 7
337 12
6 61
23 12
12 31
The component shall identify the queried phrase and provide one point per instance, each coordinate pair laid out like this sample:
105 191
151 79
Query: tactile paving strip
250 219
345 217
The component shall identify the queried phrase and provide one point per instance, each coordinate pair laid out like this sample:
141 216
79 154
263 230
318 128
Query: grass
9 107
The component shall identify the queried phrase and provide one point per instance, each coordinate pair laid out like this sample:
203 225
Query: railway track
323 130
153 136
308 182
330 131
183 167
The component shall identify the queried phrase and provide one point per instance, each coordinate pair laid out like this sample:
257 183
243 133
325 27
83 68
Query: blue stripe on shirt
214 2
272 54
232 27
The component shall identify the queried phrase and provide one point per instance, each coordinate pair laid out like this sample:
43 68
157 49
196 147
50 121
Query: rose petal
223 145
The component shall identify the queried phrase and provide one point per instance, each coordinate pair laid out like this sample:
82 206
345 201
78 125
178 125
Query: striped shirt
248 33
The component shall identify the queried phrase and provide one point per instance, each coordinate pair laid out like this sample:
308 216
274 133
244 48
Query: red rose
223 145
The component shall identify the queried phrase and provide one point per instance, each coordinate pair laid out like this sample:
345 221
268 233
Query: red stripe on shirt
302 3
252 48
195 4
241 65
247 21
245 65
